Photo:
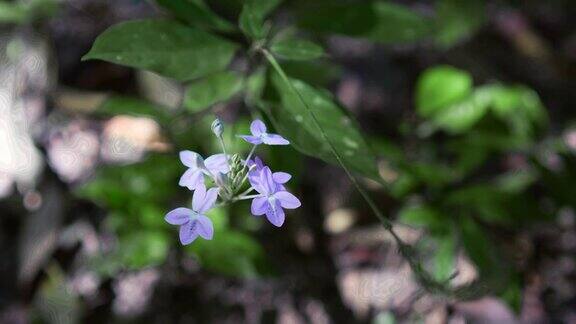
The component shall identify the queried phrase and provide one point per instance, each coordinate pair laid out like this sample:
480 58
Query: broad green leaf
211 90
378 21
293 121
166 47
439 87
120 105
196 13
253 15
297 49
457 20
317 73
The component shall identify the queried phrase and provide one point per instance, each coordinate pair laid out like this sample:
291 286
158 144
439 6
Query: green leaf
196 13
230 253
12 12
439 87
444 257
163 46
422 216
460 117
144 248
121 105
297 49
252 16
211 90
293 121
378 21
457 20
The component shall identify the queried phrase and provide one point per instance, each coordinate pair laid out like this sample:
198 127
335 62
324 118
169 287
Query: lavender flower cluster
229 175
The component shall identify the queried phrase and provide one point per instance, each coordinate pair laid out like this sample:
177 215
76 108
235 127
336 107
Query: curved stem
425 279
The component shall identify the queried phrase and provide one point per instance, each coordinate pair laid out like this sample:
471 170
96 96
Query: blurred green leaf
297 49
163 46
457 20
196 13
444 257
12 12
213 89
439 87
378 21
143 248
230 253
461 116
294 122
422 216
252 17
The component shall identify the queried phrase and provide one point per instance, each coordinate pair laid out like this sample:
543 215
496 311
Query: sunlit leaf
439 87
166 47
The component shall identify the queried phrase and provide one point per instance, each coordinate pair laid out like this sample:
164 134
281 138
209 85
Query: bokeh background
88 168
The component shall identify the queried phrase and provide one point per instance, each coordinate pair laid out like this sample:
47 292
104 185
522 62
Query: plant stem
406 250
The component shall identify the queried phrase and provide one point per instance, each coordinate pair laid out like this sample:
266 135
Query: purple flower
279 177
259 135
193 222
198 168
272 198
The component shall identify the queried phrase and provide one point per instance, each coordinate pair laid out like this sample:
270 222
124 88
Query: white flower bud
217 127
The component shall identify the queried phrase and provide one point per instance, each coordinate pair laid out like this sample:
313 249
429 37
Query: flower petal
217 163
204 227
255 179
191 159
257 127
191 179
267 180
275 215
281 177
198 198
209 200
252 139
259 206
274 139
287 200
178 216
188 232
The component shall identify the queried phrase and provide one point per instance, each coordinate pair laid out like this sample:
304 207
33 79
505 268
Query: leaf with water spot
292 120
163 46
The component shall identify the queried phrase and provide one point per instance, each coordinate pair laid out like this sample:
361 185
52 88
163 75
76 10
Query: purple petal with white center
217 163
209 200
275 214
204 227
281 177
188 232
198 198
191 159
287 200
259 206
257 127
191 179
178 216
252 139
